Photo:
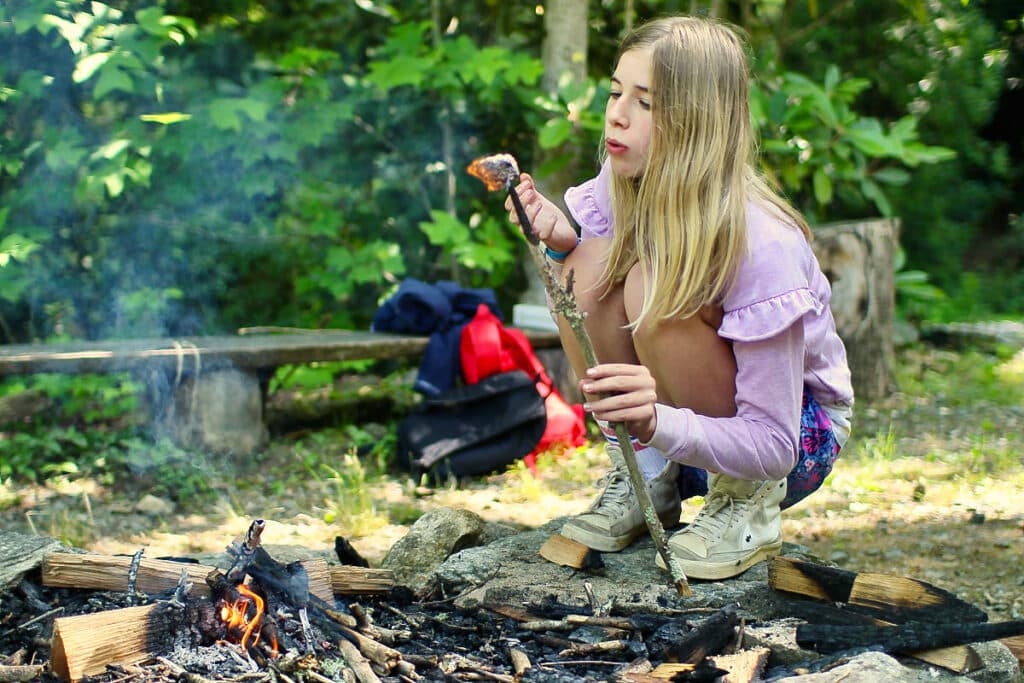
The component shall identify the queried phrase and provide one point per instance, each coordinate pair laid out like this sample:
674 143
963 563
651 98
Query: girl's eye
645 104
614 95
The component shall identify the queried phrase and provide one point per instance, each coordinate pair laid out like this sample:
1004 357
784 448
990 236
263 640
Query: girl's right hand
549 223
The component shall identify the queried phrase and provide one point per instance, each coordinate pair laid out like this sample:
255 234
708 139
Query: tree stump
858 258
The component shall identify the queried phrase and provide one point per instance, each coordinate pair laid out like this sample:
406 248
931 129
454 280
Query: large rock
20 553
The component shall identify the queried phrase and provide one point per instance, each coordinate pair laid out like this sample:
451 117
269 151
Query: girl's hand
548 221
628 395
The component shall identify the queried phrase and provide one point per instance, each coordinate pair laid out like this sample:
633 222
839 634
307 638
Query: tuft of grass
351 504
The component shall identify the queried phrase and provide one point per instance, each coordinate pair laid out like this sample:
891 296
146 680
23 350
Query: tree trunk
858 257
564 52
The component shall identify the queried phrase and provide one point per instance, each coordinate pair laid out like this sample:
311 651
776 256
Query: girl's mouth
614 146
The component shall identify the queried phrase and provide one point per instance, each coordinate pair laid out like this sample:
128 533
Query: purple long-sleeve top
777 316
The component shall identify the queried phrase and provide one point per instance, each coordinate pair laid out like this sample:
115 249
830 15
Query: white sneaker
739 525
615 519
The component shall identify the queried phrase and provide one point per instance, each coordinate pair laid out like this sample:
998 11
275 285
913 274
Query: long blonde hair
684 219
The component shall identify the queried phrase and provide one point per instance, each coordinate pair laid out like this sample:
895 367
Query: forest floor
930 486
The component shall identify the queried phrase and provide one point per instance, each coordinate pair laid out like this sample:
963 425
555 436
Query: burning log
84 645
110 572
500 172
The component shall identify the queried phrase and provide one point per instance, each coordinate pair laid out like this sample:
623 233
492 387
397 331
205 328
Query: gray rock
21 553
432 539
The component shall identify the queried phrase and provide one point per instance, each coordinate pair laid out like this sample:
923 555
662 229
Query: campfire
115 619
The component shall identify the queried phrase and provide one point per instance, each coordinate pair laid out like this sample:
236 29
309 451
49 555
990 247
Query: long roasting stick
501 171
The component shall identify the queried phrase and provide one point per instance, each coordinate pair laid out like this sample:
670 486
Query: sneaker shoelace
717 515
617 494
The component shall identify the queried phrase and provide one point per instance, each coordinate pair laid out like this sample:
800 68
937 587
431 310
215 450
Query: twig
564 303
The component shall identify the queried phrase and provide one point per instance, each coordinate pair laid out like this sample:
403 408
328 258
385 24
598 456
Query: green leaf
88 65
165 119
554 133
443 229
397 72
112 78
822 187
872 191
891 175
867 136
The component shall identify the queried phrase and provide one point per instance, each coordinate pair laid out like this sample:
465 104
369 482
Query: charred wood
906 637
676 641
20 674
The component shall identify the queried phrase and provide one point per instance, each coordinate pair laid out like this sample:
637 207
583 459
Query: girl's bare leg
692 366
605 317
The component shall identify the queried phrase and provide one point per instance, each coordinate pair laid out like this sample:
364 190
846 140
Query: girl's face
627 116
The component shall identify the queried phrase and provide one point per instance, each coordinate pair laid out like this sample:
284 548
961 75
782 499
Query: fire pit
114 619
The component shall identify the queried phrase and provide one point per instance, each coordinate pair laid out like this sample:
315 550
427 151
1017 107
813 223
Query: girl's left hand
627 393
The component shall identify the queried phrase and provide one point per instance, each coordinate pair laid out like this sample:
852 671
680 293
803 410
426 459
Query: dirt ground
932 488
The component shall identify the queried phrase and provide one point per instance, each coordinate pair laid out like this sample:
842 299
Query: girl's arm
761 441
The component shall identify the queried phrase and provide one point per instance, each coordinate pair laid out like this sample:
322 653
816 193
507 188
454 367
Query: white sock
649 459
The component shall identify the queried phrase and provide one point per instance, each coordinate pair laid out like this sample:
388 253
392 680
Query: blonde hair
684 219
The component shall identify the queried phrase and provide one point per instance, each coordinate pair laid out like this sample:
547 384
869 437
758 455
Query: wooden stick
357 662
20 674
564 302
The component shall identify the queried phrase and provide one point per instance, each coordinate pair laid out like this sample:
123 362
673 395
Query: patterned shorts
818 451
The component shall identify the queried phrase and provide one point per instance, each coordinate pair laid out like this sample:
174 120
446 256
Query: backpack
487 347
473 429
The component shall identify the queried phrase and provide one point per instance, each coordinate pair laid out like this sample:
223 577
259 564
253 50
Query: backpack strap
480 346
518 347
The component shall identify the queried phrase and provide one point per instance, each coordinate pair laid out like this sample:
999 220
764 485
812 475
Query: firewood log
84 645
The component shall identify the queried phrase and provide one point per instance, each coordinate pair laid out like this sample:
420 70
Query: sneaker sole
603 543
713 571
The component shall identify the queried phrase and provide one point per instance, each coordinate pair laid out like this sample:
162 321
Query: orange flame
236 616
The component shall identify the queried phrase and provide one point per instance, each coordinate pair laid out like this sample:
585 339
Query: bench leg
220 411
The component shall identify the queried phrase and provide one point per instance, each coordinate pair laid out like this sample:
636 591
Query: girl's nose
616 114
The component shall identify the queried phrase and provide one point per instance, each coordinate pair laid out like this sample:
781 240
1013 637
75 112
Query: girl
705 304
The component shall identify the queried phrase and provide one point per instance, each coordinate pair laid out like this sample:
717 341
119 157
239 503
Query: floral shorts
818 451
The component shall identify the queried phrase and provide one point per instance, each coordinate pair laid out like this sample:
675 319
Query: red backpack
488 347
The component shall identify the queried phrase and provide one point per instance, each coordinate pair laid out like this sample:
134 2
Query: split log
348 580
84 645
884 596
914 635
743 667
569 553
880 600
110 572
858 258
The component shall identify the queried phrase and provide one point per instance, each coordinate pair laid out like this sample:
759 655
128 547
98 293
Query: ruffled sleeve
591 205
766 318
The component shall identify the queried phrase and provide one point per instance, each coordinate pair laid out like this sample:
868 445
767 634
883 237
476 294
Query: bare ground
932 486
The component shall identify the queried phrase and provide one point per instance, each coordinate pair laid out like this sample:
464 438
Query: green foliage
187 167
816 146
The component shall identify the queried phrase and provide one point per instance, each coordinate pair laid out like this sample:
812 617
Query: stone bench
209 391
